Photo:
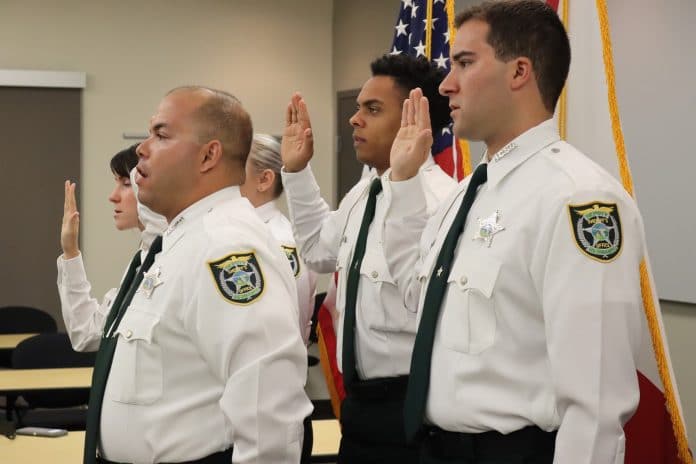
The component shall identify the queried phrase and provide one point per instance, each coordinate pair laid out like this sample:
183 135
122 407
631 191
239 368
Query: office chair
63 408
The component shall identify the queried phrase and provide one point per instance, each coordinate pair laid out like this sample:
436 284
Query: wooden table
10 341
19 380
68 449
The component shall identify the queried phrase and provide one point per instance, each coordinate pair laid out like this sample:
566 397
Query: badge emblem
151 280
291 254
488 227
238 277
597 230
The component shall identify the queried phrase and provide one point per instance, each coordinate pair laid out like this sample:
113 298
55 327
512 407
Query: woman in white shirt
262 187
84 316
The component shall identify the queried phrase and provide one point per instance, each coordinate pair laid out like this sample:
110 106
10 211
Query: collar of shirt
519 150
189 216
267 211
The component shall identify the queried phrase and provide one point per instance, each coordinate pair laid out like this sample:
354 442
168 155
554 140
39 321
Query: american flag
411 37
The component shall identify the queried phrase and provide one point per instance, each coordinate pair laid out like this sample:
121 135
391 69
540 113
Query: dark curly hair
124 161
409 72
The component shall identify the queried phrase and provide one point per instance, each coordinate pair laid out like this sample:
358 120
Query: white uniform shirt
305 278
385 329
84 316
195 372
534 330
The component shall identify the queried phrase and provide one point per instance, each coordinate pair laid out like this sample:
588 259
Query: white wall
134 51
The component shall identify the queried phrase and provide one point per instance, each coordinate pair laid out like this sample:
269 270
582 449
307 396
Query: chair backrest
24 319
45 351
318 300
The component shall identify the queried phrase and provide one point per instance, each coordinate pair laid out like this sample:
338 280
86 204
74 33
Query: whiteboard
656 87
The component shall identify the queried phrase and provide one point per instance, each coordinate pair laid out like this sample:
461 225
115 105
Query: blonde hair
265 154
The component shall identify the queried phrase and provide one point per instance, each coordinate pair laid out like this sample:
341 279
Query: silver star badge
488 227
151 280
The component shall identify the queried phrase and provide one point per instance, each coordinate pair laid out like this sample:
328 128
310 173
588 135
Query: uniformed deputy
527 283
208 364
262 187
84 316
375 355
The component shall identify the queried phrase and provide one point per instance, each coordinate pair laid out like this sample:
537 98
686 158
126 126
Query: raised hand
297 146
71 223
411 146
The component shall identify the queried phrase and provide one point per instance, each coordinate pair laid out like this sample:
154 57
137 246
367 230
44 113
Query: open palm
411 146
297 145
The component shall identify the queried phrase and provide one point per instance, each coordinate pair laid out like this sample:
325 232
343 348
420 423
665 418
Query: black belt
379 388
453 445
221 457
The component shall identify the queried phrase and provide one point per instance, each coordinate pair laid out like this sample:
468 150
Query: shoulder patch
596 228
238 277
291 254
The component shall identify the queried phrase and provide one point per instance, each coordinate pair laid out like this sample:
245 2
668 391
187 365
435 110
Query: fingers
69 203
292 109
411 114
415 110
303 113
404 113
66 199
296 99
73 201
288 114
423 114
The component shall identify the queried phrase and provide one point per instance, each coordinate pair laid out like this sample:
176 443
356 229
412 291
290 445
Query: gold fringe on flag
429 30
645 283
563 102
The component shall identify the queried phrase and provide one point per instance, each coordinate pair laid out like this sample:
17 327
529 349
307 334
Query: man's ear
522 72
212 155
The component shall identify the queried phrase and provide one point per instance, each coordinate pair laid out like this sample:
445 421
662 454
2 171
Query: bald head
219 115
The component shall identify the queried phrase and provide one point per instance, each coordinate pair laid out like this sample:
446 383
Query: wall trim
30 78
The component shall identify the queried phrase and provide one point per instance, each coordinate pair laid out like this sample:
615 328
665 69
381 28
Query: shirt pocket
136 373
469 322
382 305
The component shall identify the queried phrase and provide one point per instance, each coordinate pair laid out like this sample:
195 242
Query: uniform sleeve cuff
300 183
407 195
71 271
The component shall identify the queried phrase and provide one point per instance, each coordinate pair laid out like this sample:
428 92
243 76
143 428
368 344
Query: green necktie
419 380
107 347
348 359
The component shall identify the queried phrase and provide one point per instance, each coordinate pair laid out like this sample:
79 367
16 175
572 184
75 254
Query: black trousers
372 424
308 441
221 457
529 445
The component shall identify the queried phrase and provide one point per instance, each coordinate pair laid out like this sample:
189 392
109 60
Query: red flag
326 332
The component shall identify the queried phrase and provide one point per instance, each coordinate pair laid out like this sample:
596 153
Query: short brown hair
222 117
529 28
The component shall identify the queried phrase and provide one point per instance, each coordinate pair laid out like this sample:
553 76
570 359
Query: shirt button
129 334
463 280
344 239
374 274
556 150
